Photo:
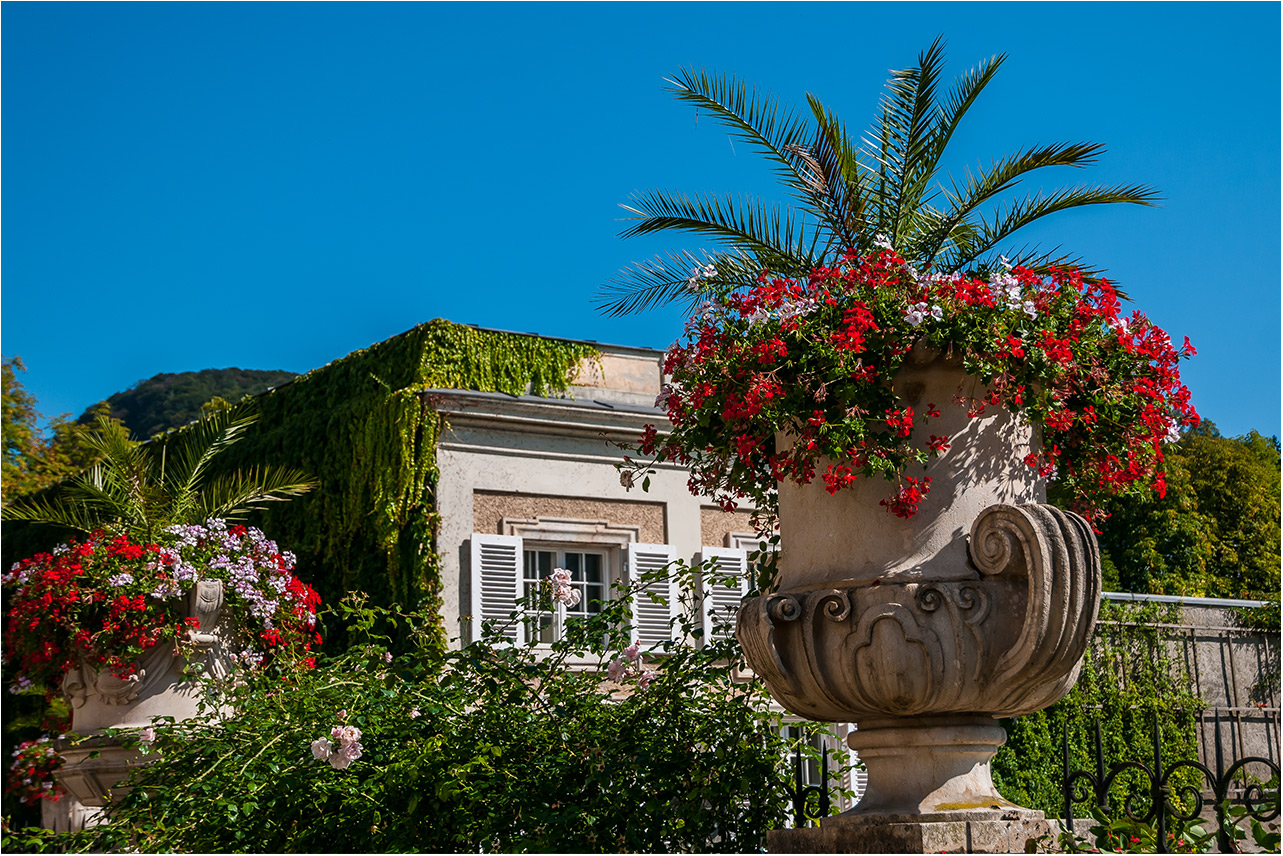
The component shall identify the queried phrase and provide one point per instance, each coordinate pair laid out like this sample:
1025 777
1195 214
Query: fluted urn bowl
923 631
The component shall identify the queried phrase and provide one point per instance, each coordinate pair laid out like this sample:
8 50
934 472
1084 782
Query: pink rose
322 749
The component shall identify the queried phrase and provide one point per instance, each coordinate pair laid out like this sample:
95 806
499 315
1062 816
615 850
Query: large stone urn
165 685
924 631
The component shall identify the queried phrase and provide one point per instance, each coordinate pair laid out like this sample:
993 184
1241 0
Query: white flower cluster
706 272
1006 285
918 312
562 589
345 752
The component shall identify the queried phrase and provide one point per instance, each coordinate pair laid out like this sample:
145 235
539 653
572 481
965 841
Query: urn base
94 769
927 765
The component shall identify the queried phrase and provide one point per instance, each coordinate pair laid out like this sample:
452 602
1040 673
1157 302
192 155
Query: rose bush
816 360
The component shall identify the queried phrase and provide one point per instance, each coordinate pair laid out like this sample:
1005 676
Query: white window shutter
856 778
721 602
497 583
653 622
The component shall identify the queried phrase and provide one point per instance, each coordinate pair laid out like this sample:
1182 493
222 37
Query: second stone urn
164 686
924 631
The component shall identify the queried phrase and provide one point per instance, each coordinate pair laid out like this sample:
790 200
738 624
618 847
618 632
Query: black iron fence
811 800
1169 795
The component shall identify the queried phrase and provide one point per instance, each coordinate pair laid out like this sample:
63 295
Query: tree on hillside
172 400
31 460
851 195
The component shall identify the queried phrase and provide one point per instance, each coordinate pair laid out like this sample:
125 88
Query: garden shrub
490 748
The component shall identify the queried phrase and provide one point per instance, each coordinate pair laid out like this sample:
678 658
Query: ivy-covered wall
360 426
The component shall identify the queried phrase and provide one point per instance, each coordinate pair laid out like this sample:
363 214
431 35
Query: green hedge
1128 675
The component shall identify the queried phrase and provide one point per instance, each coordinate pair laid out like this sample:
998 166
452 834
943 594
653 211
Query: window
589 575
504 568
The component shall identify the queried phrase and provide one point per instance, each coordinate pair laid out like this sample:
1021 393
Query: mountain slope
170 400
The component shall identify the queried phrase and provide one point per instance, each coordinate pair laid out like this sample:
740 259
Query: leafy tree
1236 483
32 461
1214 533
848 194
144 488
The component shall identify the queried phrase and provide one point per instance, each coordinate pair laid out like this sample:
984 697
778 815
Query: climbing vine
1130 673
362 428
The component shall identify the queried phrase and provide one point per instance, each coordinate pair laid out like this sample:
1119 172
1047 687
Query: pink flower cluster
562 590
347 750
629 665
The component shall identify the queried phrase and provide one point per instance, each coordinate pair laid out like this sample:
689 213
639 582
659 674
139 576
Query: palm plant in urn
878 380
162 595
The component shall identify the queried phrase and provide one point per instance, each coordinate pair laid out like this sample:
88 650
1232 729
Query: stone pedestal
1012 830
68 814
93 770
928 764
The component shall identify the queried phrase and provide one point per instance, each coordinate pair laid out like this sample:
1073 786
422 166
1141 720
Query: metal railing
1259 802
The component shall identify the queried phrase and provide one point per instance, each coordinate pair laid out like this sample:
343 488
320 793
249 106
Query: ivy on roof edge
361 428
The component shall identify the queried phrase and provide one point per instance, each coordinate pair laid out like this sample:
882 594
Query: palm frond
194 448
661 281
888 183
755 118
1004 174
837 164
1020 213
904 134
81 518
764 229
231 496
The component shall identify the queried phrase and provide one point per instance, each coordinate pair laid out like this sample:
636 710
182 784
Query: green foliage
1128 677
362 427
1236 483
141 489
494 748
31 461
166 401
849 191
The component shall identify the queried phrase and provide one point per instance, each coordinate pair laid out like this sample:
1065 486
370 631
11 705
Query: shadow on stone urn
924 631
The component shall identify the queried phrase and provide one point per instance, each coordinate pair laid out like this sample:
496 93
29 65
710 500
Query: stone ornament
167 683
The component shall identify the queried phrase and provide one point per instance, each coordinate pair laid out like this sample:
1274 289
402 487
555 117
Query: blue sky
272 186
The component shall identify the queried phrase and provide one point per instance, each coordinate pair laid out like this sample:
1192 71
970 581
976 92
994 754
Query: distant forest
166 401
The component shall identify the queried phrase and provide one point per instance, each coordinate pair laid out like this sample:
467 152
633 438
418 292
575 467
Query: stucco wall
489 508
715 524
